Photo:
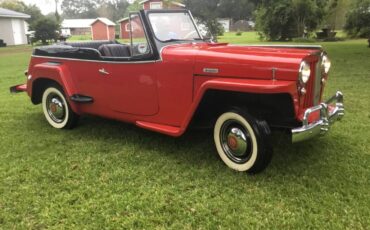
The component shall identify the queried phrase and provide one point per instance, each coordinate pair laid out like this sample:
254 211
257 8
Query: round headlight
326 64
304 72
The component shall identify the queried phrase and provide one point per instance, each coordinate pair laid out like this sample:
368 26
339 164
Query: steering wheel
189 34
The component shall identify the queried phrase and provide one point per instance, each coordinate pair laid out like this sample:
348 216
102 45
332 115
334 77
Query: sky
46 6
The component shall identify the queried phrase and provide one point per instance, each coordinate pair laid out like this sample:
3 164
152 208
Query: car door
131 86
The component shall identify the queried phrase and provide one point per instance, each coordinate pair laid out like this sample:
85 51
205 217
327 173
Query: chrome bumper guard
327 118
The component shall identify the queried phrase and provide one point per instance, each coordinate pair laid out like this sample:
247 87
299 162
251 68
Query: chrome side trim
111 62
328 115
314 47
100 61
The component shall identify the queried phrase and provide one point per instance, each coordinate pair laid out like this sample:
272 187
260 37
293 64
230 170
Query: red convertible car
167 78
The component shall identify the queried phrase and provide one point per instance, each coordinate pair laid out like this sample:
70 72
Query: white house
13 27
225 22
76 26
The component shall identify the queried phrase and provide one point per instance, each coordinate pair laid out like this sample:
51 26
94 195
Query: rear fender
56 72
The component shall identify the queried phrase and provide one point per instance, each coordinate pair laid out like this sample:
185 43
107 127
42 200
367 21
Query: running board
81 99
164 129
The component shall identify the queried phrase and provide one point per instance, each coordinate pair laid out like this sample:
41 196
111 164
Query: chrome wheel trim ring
241 167
55 91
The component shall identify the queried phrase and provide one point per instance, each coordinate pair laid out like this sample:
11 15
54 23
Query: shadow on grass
195 147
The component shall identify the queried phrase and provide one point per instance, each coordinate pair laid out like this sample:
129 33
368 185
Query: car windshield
173 26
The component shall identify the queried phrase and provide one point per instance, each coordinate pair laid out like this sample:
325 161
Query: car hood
254 62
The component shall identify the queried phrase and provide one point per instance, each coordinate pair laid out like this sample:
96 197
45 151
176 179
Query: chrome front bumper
330 112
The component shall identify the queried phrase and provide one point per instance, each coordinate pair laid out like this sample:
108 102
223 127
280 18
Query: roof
179 4
123 19
77 23
175 3
106 21
5 13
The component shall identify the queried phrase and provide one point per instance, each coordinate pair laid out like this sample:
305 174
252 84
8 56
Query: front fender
202 84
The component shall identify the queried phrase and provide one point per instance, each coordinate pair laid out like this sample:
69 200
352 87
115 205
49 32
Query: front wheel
57 110
243 142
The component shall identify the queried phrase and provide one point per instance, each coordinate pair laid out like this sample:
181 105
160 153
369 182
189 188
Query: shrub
45 30
286 19
239 33
358 20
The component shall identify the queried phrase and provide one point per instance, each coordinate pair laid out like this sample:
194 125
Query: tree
307 15
114 9
35 14
358 19
57 15
45 30
80 8
336 13
206 12
285 19
236 9
275 22
18 6
133 7
56 12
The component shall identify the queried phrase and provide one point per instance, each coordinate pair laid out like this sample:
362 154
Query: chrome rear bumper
327 118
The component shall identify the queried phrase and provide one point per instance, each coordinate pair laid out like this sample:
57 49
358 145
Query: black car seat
115 50
88 44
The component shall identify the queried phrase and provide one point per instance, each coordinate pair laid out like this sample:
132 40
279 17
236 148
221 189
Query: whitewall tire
56 109
242 142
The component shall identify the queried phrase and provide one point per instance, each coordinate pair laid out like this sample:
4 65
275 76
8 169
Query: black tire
56 108
243 142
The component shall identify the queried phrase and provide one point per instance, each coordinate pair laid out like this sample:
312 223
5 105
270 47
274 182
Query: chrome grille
310 89
316 89
314 86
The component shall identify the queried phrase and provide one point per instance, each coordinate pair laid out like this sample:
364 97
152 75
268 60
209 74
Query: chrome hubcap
236 141
56 108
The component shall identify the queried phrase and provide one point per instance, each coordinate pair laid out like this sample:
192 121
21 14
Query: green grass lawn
109 175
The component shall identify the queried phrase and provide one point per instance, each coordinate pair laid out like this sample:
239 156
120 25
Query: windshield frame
171 12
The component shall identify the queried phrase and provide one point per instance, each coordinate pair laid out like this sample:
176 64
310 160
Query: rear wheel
56 109
243 142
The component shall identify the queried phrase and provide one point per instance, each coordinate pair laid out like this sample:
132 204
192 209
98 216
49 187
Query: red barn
147 5
137 28
158 4
103 29
124 28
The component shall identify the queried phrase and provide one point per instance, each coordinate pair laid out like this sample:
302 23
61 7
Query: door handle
103 71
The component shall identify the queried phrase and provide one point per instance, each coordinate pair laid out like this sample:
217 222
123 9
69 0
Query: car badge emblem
210 70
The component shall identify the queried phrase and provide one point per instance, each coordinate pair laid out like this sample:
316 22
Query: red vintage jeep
167 78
